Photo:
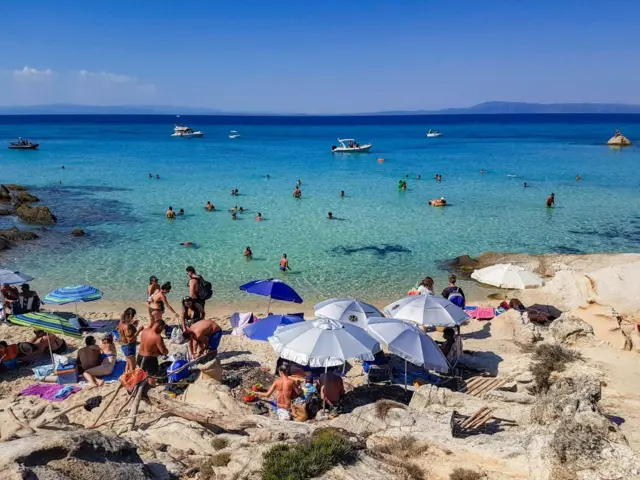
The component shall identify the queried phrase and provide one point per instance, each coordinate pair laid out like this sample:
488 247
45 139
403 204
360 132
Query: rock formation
619 141
24 197
77 232
12 235
5 194
38 215
568 328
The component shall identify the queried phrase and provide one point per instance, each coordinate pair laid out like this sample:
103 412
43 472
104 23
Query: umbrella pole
269 306
51 353
324 401
405 376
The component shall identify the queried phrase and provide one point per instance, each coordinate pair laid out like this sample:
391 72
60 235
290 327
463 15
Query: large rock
619 141
569 328
430 397
77 455
24 197
15 235
5 211
5 194
77 232
38 215
15 187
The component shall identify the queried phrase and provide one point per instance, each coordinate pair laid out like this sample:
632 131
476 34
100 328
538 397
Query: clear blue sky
318 57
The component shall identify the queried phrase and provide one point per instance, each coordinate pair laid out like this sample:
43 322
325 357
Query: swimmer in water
233 192
482 171
419 177
284 263
551 201
248 254
525 185
234 216
298 183
171 214
236 192
150 175
209 207
330 216
268 176
259 217
62 167
406 175
241 210
157 177
187 244
181 212
578 178
341 193
297 193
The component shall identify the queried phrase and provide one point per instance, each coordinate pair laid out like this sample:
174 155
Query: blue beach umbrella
13 278
266 327
73 294
272 288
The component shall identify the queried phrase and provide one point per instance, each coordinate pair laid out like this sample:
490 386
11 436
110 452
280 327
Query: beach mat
118 370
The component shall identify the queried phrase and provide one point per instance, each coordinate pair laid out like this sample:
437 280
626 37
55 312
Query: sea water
382 241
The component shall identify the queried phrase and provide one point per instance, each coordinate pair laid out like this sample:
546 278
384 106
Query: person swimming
298 183
157 177
236 192
234 216
233 192
181 212
248 254
284 263
578 178
419 177
209 207
330 216
551 201
187 244
526 184
341 193
482 171
297 193
241 210
268 176
259 217
171 214
62 167
150 175
438 202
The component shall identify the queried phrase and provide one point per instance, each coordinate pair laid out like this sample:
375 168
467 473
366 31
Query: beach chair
379 374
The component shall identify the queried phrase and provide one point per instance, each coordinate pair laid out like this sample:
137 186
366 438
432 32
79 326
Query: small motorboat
349 145
186 132
23 144
234 134
434 133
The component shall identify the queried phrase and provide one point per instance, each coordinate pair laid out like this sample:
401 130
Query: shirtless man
209 207
287 390
204 337
297 193
158 301
284 263
171 214
331 388
151 347
551 201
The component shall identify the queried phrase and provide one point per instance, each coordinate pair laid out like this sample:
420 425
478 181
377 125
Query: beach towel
239 321
53 392
116 373
484 313
42 371
132 378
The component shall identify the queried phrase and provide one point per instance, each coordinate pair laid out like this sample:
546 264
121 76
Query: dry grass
383 406
398 451
219 443
465 474
574 441
207 465
548 359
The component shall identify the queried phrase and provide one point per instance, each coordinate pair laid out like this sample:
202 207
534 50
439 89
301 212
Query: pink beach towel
48 392
483 313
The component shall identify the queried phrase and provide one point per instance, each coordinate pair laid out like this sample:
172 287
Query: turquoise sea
383 239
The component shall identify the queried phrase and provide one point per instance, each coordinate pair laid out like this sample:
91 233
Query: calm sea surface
383 239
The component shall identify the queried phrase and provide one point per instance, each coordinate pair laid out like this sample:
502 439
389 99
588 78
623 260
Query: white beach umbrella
408 342
427 310
323 343
13 278
347 310
507 275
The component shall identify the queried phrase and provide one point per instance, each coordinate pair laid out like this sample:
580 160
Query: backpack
205 289
456 298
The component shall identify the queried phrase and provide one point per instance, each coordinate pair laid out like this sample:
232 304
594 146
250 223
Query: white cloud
107 76
28 73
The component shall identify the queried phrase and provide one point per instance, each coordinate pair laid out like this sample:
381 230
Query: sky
351 56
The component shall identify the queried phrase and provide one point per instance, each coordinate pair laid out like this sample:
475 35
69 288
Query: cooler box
66 374
176 377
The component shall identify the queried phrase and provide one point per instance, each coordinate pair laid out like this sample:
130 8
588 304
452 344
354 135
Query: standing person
453 293
192 312
341 193
199 289
578 178
10 294
128 335
284 263
204 337
297 193
158 302
248 254
551 201
151 289
151 347
287 390
171 214
426 286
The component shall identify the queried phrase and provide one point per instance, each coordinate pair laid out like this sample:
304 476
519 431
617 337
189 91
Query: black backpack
205 289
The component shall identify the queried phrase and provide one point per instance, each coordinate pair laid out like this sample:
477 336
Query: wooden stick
480 420
22 424
478 385
471 383
134 408
474 416
115 394
116 418
488 387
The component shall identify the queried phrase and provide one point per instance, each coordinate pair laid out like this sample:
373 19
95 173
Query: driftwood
106 407
474 417
136 404
22 424
199 414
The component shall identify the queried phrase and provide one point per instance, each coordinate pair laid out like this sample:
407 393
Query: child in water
248 254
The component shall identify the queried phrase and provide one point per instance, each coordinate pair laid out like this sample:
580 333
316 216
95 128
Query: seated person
452 346
107 357
10 294
379 359
331 389
204 337
29 301
88 356
43 340
8 356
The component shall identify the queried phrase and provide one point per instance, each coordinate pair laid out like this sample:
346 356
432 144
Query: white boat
186 132
434 133
234 134
349 145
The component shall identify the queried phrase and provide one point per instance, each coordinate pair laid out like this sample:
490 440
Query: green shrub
465 474
307 459
547 360
219 443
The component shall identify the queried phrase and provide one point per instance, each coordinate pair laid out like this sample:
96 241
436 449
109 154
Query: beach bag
205 289
181 375
176 336
456 298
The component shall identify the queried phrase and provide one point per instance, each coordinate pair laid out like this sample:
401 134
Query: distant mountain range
486 108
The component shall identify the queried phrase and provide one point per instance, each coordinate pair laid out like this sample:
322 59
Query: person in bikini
158 301
108 356
151 347
154 285
259 217
128 330
204 337
248 254
42 341
287 389
192 312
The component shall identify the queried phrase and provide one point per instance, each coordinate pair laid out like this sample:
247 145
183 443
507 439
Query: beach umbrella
264 328
507 275
13 278
347 310
323 343
427 310
408 342
73 294
272 288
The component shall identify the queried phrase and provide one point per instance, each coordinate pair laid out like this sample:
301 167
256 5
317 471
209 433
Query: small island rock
619 141
40 215
77 232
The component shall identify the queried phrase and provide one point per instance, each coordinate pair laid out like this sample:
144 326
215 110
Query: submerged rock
38 215
77 455
15 235
77 232
24 197
463 263
5 212
15 187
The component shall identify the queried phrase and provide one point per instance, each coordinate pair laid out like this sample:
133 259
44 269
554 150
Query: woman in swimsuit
151 289
42 341
108 356
191 312
158 302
